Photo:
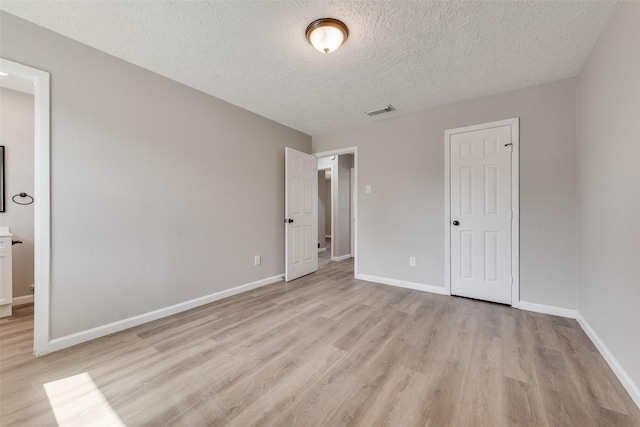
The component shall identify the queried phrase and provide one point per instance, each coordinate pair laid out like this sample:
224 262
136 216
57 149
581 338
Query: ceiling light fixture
327 34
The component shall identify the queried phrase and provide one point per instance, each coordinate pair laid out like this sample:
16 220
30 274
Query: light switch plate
367 189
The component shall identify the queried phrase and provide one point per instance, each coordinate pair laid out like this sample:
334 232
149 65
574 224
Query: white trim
337 152
340 258
25 299
632 388
354 151
352 218
6 310
447 214
42 197
335 189
100 331
403 284
322 249
515 202
515 209
548 309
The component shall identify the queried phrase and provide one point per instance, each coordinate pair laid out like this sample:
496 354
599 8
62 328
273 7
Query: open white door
301 214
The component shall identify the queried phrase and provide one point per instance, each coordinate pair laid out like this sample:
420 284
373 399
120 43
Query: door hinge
511 279
510 214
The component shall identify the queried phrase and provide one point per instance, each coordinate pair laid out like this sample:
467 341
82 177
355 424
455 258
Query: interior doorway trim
354 151
514 123
42 199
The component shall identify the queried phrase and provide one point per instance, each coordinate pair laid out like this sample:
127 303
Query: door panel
480 197
301 214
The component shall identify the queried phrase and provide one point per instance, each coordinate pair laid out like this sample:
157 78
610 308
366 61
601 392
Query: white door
301 214
481 213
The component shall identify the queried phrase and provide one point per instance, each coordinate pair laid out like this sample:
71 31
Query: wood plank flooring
325 350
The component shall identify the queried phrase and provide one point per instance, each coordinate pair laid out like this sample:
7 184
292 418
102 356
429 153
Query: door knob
456 223
288 221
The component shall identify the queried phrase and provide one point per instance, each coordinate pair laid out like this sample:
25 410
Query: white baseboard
631 387
6 310
322 249
548 309
403 284
26 299
341 258
100 331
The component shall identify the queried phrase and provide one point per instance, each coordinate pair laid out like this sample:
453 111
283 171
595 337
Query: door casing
514 124
42 201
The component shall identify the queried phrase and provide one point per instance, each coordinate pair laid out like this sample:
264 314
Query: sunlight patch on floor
77 401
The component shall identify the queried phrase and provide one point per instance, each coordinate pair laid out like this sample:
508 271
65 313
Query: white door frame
352 218
514 123
42 199
354 151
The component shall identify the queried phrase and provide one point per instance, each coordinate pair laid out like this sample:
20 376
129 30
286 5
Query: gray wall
609 187
160 193
16 134
403 160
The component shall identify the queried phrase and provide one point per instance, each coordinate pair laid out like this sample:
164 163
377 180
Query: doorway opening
41 197
16 212
324 212
337 206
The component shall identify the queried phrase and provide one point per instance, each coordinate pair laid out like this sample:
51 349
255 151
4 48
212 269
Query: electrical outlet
257 260
412 261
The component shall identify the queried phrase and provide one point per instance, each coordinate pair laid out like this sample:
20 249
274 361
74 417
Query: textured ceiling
412 54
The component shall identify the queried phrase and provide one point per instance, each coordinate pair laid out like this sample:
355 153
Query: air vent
382 110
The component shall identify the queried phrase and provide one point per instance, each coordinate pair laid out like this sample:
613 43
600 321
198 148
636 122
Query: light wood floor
325 350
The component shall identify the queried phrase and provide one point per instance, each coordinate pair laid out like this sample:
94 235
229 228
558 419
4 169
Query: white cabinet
6 276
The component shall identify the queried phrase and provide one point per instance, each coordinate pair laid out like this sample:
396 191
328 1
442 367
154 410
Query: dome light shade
327 34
